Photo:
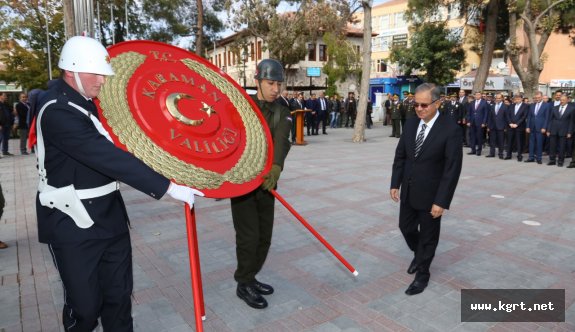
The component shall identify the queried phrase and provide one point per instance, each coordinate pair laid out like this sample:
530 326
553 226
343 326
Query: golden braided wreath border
114 103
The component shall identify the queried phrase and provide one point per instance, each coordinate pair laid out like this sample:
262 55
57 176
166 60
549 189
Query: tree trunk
488 45
359 129
200 29
69 19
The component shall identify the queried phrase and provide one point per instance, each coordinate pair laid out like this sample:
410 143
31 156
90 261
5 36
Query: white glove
183 193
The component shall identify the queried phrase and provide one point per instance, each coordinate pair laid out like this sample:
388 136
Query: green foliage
432 51
23 36
169 20
286 35
343 60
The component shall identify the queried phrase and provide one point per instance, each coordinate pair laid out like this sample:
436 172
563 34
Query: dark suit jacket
433 176
537 122
76 153
561 125
282 101
497 122
477 116
520 118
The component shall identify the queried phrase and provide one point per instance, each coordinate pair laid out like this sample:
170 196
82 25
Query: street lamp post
245 59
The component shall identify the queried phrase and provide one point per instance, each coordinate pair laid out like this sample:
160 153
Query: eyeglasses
424 105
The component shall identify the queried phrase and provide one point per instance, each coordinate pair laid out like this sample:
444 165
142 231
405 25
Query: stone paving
342 189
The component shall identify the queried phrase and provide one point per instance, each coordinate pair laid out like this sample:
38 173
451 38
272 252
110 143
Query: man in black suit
496 125
516 118
323 110
537 127
560 129
311 117
462 100
476 121
426 167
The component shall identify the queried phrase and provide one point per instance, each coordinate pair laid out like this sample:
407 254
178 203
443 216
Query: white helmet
85 55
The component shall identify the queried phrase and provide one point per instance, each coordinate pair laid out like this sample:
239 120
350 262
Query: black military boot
262 288
251 296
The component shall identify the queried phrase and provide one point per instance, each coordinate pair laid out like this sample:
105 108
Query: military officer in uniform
408 109
80 211
253 213
396 117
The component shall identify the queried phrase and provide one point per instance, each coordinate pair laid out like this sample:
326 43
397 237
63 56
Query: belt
98 191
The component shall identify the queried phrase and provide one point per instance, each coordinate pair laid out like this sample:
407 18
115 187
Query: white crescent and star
172 104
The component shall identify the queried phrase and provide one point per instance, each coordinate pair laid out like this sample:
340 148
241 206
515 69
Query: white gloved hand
183 193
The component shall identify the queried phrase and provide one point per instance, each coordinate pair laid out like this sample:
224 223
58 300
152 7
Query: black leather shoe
490 156
470 153
571 165
416 287
501 157
560 164
251 297
262 288
324 133
529 161
519 159
507 158
412 267
478 154
551 163
540 162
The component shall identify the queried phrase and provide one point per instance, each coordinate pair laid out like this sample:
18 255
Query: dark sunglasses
423 105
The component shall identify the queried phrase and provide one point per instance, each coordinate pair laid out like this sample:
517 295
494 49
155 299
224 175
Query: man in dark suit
311 117
283 99
462 100
516 119
476 121
559 129
536 127
80 211
496 125
323 109
6 122
426 167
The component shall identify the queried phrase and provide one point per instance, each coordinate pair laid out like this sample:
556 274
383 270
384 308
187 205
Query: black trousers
557 148
310 120
496 139
253 217
321 117
98 282
515 137
421 233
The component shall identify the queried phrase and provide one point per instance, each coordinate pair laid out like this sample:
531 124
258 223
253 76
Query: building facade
238 55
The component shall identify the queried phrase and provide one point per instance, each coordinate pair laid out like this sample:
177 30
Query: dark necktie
419 140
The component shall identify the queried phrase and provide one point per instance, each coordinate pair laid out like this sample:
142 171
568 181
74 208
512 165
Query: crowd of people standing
503 124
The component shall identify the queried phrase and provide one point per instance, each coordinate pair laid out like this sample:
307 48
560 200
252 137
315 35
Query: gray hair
435 92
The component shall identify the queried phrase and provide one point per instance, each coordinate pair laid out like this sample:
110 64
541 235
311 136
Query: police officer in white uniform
81 214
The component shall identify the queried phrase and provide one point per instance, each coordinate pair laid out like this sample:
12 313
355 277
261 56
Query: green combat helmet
270 69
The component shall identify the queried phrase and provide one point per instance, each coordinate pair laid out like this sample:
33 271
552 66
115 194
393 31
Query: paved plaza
342 189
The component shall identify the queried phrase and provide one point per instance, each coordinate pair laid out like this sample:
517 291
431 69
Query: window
358 49
322 52
311 52
381 66
385 22
219 60
252 51
399 20
259 50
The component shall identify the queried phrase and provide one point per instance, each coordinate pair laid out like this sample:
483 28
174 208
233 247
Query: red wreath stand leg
315 233
195 272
